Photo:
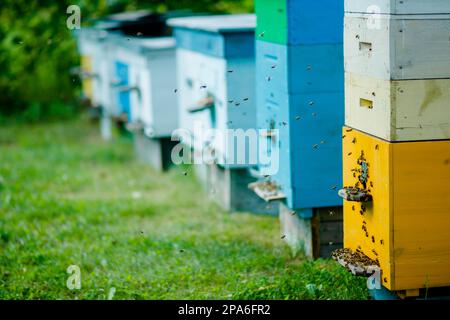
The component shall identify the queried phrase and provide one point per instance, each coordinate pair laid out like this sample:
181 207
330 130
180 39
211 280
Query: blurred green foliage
37 50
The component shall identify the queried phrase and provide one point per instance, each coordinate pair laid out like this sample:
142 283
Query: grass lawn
67 198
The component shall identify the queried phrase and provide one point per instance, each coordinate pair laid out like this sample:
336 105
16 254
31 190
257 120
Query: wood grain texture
410 110
377 220
397 47
409 217
421 204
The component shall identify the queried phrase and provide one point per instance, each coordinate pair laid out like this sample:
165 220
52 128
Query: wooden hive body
405 226
391 47
407 110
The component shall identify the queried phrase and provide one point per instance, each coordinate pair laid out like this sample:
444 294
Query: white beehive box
406 110
397 46
398 6
151 82
201 77
215 62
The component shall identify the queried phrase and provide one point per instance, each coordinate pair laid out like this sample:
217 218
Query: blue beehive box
293 22
300 93
300 100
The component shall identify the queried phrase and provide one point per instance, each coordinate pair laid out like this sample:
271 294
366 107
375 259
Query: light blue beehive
300 90
215 56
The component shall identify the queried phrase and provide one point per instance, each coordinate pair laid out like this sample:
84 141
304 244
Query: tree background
37 50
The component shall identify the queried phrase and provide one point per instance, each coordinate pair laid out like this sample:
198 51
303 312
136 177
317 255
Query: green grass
67 198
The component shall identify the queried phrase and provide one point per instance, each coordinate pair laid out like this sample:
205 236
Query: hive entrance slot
354 194
365 103
267 190
356 262
203 104
365 46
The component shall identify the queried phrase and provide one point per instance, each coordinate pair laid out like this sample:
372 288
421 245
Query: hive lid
216 23
131 16
151 44
142 44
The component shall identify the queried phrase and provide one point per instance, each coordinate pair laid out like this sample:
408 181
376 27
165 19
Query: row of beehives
298 88
396 150
134 79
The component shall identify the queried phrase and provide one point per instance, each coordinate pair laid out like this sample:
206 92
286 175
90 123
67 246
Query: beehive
405 226
215 57
300 85
396 146
145 89
146 68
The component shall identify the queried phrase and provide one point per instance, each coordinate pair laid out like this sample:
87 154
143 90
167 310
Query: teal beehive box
300 101
293 22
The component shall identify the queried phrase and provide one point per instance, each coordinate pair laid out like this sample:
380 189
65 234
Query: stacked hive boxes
215 56
300 89
396 143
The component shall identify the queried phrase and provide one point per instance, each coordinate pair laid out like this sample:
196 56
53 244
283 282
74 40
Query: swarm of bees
356 262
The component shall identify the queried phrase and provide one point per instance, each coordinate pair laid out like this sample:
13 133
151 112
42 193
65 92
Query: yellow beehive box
87 83
406 225
407 110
